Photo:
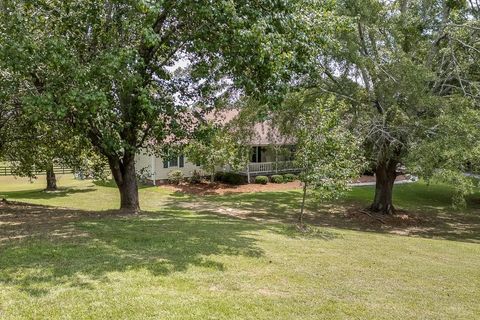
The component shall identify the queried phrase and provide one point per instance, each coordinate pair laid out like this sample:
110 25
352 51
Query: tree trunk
51 179
302 209
125 177
386 173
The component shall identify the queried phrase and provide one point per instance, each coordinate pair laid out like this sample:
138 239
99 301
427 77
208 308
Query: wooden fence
9 171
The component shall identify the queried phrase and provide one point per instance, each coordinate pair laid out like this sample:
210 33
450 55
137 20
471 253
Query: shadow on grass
44 247
111 184
424 211
42 194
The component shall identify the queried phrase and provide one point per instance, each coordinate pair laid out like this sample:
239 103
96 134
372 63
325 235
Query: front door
257 154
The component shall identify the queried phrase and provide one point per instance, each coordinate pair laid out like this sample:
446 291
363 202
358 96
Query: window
181 161
174 162
254 154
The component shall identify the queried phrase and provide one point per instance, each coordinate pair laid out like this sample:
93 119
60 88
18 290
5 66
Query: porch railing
271 167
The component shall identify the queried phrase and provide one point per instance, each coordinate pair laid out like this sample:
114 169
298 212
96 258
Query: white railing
271 167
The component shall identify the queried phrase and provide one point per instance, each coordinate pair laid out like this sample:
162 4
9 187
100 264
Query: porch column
276 160
154 171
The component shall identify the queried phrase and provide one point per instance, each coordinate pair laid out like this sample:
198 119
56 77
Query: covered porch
269 168
269 160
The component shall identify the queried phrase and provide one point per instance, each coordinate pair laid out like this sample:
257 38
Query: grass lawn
235 256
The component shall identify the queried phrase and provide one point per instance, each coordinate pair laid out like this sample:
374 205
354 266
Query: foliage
93 166
41 144
456 128
326 151
196 177
261 179
289 177
175 176
126 75
232 178
9 109
217 147
277 179
397 64
143 175
219 176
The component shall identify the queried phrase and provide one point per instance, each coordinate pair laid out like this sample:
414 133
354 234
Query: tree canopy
399 65
126 74
120 77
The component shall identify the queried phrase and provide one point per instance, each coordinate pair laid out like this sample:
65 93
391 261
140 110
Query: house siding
144 163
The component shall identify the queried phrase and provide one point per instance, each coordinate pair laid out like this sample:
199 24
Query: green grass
77 194
233 257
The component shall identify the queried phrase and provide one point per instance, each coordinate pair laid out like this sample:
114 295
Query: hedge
261 179
289 177
277 178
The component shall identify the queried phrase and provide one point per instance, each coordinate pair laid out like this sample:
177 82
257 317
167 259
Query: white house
270 155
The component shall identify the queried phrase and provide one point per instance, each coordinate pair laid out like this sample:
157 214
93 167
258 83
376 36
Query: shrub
175 176
261 179
196 177
277 178
143 175
230 178
219 176
233 178
289 177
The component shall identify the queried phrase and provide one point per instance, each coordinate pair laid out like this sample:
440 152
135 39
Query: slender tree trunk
123 172
386 173
51 179
302 210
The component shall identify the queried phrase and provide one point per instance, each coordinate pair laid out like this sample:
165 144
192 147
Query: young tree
129 72
327 152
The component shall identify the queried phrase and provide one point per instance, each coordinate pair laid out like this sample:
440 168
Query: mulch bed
400 218
218 188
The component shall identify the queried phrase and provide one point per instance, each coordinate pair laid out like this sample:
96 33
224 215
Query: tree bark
302 209
386 173
51 179
125 177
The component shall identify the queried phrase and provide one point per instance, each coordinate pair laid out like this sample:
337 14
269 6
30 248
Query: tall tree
383 61
129 72
32 88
